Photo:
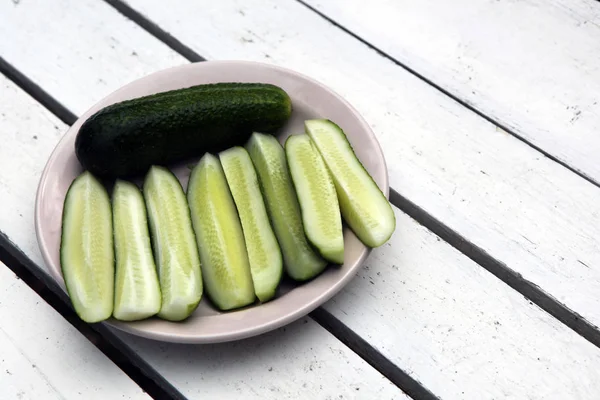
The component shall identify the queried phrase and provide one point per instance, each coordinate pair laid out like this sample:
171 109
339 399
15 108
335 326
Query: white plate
310 99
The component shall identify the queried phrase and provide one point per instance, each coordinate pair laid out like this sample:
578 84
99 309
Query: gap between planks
451 95
371 355
156 31
32 89
513 279
25 269
101 336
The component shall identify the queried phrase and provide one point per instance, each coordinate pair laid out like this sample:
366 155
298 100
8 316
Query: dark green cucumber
125 139
86 249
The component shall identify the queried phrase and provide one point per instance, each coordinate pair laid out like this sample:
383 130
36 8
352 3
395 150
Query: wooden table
488 113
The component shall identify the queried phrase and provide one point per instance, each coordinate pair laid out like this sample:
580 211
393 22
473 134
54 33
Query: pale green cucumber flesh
264 254
225 265
268 156
317 197
174 244
137 291
363 205
86 251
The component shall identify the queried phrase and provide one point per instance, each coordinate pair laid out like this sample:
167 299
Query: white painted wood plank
477 293
43 46
435 314
460 331
309 359
415 327
43 357
300 361
530 213
532 65
29 134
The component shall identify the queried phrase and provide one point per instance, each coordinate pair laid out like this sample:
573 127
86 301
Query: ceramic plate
310 99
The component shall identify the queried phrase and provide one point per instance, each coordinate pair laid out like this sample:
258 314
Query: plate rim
289 317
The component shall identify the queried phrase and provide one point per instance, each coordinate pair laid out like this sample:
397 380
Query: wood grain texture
80 37
409 312
443 333
44 357
528 212
460 331
300 361
32 134
530 65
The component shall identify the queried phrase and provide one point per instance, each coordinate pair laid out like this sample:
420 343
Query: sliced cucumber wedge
266 264
317 197
137 291
86 249
363 205
300 260
174 244
225 265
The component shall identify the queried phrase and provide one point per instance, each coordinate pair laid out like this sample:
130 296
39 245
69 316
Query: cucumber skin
125 139
311 264
62 262
343 204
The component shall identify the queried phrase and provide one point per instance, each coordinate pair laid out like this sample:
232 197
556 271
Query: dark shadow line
126 358
37 92
457 99
342 332
500 270
99 335
156 31
105 340
513 279
324 318
372 356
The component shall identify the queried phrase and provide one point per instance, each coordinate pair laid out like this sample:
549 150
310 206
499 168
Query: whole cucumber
125 139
